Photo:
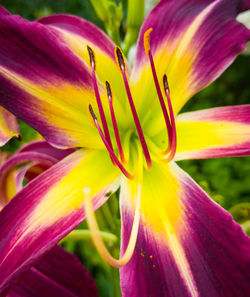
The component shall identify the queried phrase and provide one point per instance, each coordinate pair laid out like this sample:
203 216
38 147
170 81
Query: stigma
167 110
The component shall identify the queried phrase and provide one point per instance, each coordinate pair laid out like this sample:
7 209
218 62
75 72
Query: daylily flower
58 273
53 75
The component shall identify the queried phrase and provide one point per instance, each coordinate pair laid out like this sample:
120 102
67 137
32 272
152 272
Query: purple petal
82 28
48 208
44 147
187 244
213 133
45 84
58 273
193 42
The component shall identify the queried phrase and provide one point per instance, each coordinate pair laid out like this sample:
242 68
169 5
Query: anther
91 57
147 41
121 63
110 150
165 83
117 135
157 85
120 58
109 92
92 112
171 113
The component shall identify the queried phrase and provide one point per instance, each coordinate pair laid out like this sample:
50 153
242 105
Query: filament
121 63
117 135
98 98
171 113
111 152
157 85
96 236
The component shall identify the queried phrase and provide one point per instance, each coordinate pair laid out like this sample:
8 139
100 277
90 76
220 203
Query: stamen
98 98
110 150
97 239
117 135
171 113
121 63
157 85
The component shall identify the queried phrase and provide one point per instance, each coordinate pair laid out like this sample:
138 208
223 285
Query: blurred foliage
225 180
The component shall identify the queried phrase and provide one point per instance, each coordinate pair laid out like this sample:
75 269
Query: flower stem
135 17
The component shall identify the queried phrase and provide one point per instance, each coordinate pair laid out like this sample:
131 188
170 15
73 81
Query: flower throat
168 114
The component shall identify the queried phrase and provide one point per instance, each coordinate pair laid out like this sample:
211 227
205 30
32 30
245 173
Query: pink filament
136 120
117 135
171 113
110 150
100 107
163 106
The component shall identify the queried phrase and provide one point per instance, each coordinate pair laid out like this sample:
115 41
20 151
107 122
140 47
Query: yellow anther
147 41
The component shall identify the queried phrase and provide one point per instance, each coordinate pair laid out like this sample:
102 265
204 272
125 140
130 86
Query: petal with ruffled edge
53 207
45 84
58 273
187 244
211 133
8 126
192 42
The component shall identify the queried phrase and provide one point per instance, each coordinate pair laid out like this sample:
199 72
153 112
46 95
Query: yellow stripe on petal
10 186
197 138
181 260
67 195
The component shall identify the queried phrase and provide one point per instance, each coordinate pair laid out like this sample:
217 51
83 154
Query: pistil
117 135
121 63
157 85
110 150
96 236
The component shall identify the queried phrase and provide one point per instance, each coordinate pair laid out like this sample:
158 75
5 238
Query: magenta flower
54 74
